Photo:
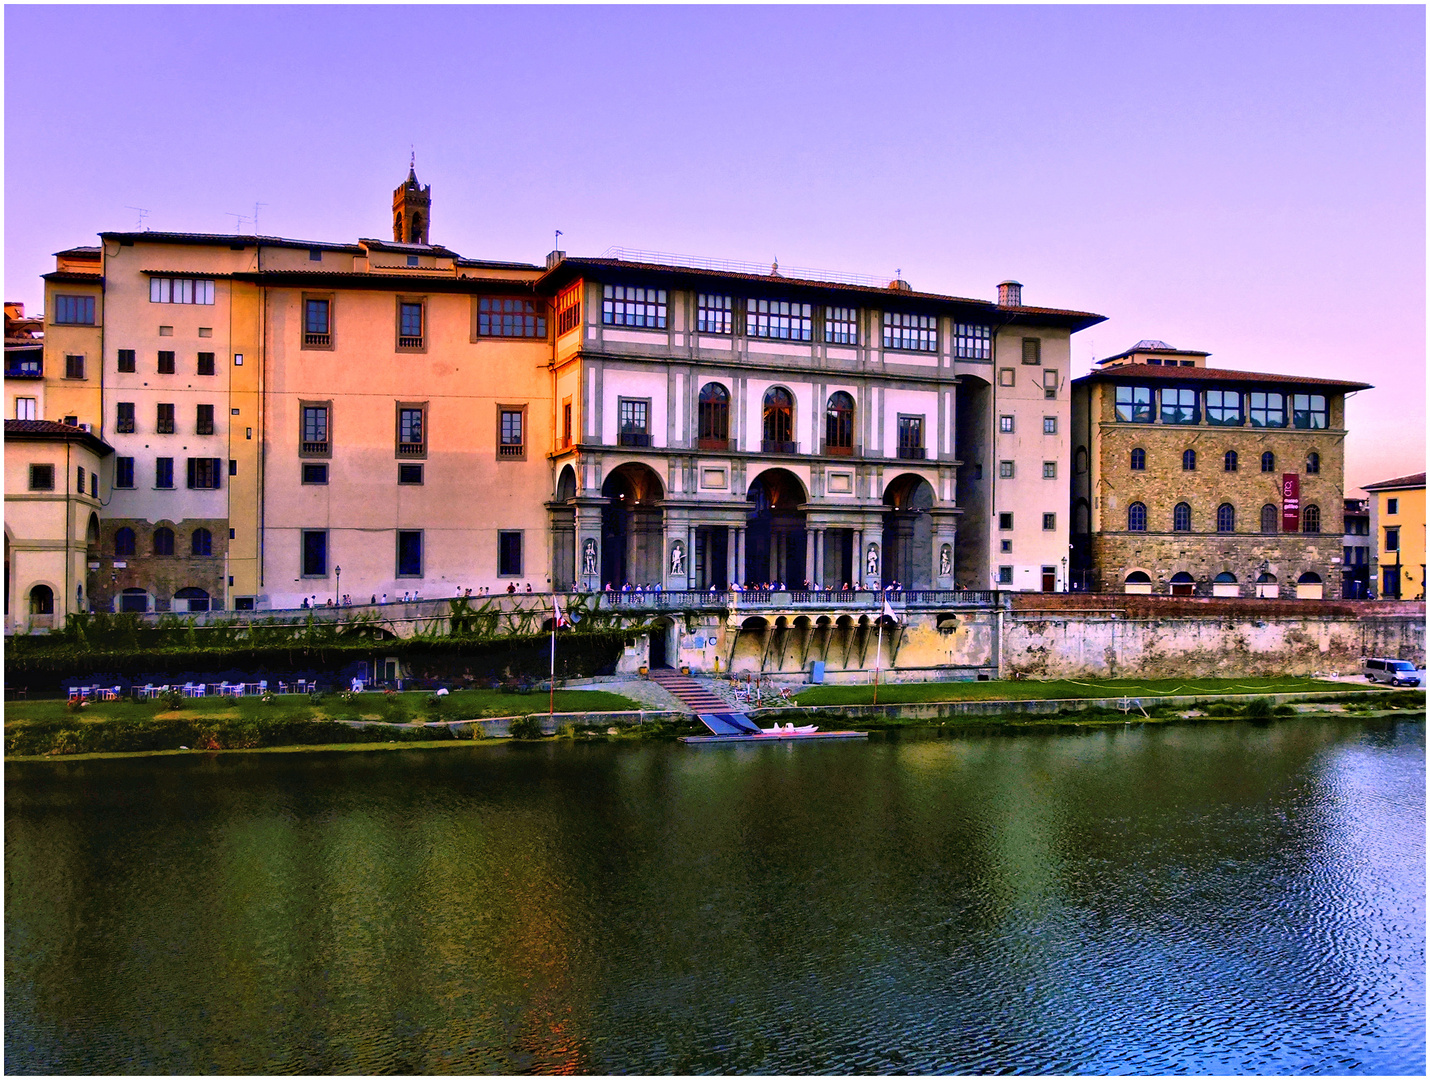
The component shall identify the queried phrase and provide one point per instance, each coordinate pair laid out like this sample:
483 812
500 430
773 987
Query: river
1208 899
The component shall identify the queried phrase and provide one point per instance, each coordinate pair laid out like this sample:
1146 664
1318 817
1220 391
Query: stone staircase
689 692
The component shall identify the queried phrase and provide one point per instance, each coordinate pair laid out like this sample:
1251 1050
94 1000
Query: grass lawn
903 693
459 705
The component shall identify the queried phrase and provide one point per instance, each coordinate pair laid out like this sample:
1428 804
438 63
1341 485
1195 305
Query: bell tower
411 209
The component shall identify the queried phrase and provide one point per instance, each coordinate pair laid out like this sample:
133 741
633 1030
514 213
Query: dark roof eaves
69 277
1205 374
229 239
1414 480
45 430
410 283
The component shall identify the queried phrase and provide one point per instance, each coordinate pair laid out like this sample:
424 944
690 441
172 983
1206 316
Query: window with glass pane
409 328
782 320
1228 461
911 436
972 342
1226 518
778 421
508 554
124 417
839 424
633 305
841 326
714 419
315 429
410 429
163 541
1309 410
1313 463
1311 519
315 554
1138 461
164 419
568 309
316 318
1189 461
1137 517
1224 408
74 310
911 333
409 553
714 314
512 436
1268 409
203 419
181 291
1134 404
1270 518
1179 406
1182 518
510 316
634 418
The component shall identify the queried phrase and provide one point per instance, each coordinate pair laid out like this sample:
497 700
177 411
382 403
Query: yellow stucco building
1397 520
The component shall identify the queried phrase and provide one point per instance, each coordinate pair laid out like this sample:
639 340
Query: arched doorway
774 547
908 532
563 534
660 644
631 526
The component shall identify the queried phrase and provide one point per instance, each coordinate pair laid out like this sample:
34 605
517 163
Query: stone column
732 551
810 548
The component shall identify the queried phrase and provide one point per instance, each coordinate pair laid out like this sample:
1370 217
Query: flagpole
551 701
878 652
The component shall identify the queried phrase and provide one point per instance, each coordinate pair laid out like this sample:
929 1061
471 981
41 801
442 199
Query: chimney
553 258
1010 294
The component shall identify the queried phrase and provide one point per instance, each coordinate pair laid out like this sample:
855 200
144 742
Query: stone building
1191 480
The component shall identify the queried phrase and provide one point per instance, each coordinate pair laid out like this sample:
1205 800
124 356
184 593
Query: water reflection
1208 899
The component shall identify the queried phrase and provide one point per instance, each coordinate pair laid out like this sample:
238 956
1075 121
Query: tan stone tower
411 210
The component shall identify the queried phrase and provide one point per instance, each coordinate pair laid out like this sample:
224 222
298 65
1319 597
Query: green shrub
525 727
393 709
1260 709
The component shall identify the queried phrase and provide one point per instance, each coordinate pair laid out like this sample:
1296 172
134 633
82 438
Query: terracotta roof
73 277
80 252
246 239
888 298
184 273
1415 480
1205 374
44 430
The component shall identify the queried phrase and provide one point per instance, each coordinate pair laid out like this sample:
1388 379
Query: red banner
1290 502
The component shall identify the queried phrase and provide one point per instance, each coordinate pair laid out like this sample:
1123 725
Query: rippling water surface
1225 898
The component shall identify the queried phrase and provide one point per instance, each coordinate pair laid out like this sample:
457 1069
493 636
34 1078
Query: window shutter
193 470
217 472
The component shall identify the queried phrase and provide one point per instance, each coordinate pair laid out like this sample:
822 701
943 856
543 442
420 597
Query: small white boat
790 729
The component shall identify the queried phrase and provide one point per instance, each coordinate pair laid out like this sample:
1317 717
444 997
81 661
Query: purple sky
1249 181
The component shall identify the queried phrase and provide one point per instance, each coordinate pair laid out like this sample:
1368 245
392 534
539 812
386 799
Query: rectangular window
841 326
1032 350
635 422
1006 376
409 553
1050 522
42 478
972 342
781 320
206 363
1005 425
315 254
568 309
232 467
314 436
1392 538
1005 575
124 417
166 363
203 419
124 472
164 419
411 431
26 408
1392 506
714 314
317 322
910 333
409 324
204 472
1134 404
1050 470
1005 470
634 305
74 310
164 472
911 437
1005 547
510 316
1224 408
1179 406
315 553
1050 384
511 433
74 367
1268 409
1005 520
126 360
1309 410
566 422
315 472
509 554
181 290
409 473
1050 425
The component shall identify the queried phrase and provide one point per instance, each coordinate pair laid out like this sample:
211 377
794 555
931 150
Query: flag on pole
560 618
889 610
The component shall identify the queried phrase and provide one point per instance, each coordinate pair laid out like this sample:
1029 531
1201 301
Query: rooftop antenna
238 220
142 215
256 205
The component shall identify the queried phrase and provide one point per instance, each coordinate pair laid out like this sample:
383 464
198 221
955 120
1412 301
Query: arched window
1183 584
1313 462
1309 578
201 543
779 421
134 600
1311 519
1229 462
1080 460
1269 518
1182 518
191 599
1189 460
1138 577
1226 518
163 541
1224 578
839 424
124 541
1137 517
1268 462
714 431
1139 459
42 600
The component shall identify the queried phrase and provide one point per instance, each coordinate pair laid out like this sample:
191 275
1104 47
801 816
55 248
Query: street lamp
339 571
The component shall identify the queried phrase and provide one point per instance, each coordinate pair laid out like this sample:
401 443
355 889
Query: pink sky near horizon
1248 181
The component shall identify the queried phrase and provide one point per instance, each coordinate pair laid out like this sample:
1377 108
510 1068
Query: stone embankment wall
1050 637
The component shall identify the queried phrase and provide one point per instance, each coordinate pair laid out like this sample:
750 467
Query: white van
1394 672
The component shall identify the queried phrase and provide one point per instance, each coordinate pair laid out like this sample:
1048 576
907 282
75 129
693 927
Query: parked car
1394 672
